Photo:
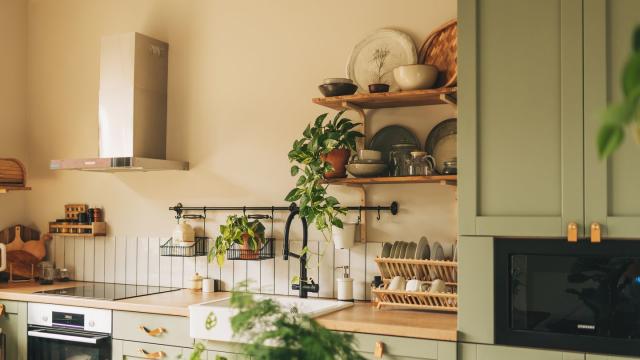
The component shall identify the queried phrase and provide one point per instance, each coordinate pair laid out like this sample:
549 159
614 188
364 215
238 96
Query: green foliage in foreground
619 116
277 334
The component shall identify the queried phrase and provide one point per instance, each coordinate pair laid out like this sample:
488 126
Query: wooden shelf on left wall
4 190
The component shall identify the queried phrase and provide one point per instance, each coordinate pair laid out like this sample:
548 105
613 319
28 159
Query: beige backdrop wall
241 78
13 98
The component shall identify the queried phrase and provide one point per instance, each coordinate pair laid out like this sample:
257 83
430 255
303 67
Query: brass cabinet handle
3 310
572 232
596 232
153 355
155 332
379 350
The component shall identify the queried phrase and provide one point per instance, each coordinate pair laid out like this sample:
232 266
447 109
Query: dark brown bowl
378 88
337 89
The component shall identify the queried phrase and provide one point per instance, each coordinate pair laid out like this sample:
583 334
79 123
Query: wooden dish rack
425 270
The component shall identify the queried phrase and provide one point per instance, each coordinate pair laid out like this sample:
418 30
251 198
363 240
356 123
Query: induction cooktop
108 291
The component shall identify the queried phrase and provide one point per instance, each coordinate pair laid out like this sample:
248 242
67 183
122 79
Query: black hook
378 217
359 215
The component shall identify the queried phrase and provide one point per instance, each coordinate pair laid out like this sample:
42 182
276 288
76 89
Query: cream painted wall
13 97
241 78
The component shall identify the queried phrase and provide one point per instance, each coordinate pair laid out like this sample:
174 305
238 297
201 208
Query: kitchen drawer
138 349
212 355
400 348
11 307
127 326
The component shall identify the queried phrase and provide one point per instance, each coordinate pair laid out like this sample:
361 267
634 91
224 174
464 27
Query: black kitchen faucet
306 285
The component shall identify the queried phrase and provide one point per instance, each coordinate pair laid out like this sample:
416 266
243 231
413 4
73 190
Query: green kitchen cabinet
520 128
402 348
612 193
609 357
495 352
14 325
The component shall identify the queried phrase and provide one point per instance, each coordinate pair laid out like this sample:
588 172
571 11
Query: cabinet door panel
492 352
611 186
520 108
609 357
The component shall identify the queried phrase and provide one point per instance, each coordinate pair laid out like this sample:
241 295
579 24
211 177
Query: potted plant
248 234
379 59
321 153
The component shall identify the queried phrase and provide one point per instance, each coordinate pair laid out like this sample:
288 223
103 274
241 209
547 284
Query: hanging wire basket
236 252
199 248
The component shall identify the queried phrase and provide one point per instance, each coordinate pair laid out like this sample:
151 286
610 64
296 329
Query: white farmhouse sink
212 320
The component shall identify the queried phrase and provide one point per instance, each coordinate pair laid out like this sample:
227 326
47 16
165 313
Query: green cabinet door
493 352
520 135
609 357
612 193
14 325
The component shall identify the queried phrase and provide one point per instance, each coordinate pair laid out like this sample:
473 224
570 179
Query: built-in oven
57 332
578 296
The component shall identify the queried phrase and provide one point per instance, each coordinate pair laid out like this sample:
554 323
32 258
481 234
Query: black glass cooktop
108 291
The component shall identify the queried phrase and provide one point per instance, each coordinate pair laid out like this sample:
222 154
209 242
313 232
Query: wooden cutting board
21 260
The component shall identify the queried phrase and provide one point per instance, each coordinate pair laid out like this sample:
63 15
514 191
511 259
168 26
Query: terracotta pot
338 158
246 252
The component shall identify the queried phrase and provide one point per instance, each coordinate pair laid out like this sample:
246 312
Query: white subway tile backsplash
137 260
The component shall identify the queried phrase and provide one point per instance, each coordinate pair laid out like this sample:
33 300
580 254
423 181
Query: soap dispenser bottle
345 285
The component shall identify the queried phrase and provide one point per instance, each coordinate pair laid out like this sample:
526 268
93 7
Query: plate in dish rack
361 67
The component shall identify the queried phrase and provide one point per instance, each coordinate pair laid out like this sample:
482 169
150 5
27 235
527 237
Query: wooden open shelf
443 179
391 99
4 190
96 229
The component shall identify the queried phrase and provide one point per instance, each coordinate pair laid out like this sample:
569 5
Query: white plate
361 69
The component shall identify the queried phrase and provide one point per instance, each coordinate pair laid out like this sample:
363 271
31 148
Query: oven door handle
64 337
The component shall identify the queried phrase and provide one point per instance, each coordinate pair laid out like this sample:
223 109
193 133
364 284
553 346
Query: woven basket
12 173
441 49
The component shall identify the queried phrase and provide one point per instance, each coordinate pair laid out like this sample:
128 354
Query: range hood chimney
132 114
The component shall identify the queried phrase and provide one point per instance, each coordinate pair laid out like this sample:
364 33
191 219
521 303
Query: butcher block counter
362 317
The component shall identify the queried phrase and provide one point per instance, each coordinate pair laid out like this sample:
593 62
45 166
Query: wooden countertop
362 317
169 303
365 318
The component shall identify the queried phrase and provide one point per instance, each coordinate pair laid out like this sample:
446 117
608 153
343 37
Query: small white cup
397 283
416 285
437 286
208 286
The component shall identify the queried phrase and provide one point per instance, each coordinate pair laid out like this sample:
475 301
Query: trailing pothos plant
619 116
307 154
236 230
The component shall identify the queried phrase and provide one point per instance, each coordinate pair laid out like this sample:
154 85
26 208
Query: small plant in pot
248 234
379 59
320 154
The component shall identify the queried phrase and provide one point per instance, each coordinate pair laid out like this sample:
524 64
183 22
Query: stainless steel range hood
132 114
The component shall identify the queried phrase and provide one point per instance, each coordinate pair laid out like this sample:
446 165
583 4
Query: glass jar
400 158
421 164
450 167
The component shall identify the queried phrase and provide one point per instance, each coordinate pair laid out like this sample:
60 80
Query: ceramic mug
437 286
369 155
397 283
416 285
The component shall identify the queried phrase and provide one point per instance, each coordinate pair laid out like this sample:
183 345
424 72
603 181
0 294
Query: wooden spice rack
69 229
425 270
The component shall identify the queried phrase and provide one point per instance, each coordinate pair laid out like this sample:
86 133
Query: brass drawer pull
153 355
572 232
3 310
379 350
596 232
155 332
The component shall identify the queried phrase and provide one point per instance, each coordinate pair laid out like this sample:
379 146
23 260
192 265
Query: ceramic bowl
366 170
337 81
415 77
337 89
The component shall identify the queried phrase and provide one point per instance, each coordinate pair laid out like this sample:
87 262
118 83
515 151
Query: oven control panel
69 317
